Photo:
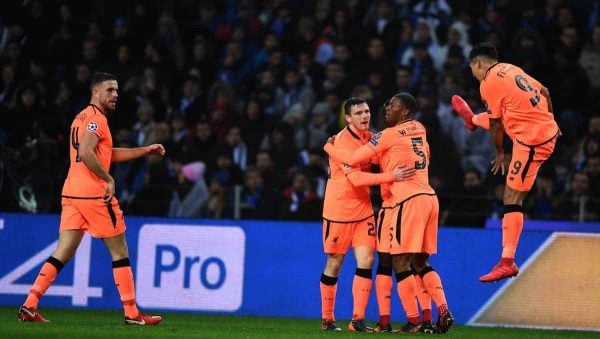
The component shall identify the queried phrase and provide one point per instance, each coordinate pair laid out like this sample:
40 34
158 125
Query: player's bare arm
126 154
546 93
497 133
89 141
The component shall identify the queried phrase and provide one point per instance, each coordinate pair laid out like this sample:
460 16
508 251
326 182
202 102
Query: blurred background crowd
243 94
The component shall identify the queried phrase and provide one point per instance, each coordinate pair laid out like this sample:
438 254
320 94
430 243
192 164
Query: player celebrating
383 278
89 204
414 221
348 218
520 105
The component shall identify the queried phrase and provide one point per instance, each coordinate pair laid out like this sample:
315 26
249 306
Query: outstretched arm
126 154
346 156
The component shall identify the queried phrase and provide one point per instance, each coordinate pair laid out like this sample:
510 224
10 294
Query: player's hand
331 140
109 190
498 164
155 149
402 172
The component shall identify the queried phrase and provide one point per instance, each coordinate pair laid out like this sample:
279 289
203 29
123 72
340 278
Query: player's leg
433 284
363 244
471 120
406 237
106 222
522 171
328 287
424 300
406 287
383 289
431 279
383 278
123 276
337 238
68 241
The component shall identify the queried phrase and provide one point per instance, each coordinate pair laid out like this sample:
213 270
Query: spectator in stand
576 203
154 196
469 204
543 202
299 200
191 193
272 178
589 60
259 201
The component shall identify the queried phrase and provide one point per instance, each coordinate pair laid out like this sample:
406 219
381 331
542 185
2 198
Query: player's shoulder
347 136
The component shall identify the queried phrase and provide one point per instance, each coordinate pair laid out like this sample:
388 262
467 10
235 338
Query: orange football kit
83 206
525 118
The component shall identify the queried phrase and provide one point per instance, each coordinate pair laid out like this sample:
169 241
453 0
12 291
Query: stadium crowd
245 93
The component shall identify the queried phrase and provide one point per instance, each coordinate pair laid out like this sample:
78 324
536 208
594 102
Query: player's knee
513 197
64 255
385 259
334 263
365 261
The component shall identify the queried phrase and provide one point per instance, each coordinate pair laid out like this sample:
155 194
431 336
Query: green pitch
76 324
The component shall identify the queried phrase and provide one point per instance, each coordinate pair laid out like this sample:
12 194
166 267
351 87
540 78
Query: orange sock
407 287
45 278
328 287
383 290
124 281
512 225
361 290
433 283
481 120
423 297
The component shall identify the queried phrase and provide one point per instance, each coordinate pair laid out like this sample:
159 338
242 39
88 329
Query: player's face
107 95
359 117
394 112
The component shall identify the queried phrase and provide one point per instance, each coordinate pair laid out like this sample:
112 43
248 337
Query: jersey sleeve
359 178
492 95
98 125
349 157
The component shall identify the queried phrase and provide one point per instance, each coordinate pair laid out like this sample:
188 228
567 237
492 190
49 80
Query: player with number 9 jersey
514 96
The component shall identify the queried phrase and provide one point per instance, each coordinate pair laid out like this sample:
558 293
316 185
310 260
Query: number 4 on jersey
79 292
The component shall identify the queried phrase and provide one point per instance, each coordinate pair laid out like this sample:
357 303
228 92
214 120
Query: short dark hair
484 49
352 101
408 101
100 77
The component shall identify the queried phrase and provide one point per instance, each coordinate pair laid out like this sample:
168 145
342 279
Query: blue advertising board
261 268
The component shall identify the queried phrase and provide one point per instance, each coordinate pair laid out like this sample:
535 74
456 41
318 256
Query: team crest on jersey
92 127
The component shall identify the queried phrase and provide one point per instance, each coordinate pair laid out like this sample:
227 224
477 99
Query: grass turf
80 323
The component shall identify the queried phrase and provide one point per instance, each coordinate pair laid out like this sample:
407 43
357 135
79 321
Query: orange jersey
81 182
514 96
404 144
343 202
386 190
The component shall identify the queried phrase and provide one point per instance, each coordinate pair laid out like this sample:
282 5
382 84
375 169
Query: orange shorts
525 164
94 215
339 236
414 225
384 229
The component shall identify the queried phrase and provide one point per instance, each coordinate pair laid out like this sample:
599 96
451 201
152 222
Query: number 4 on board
79 292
